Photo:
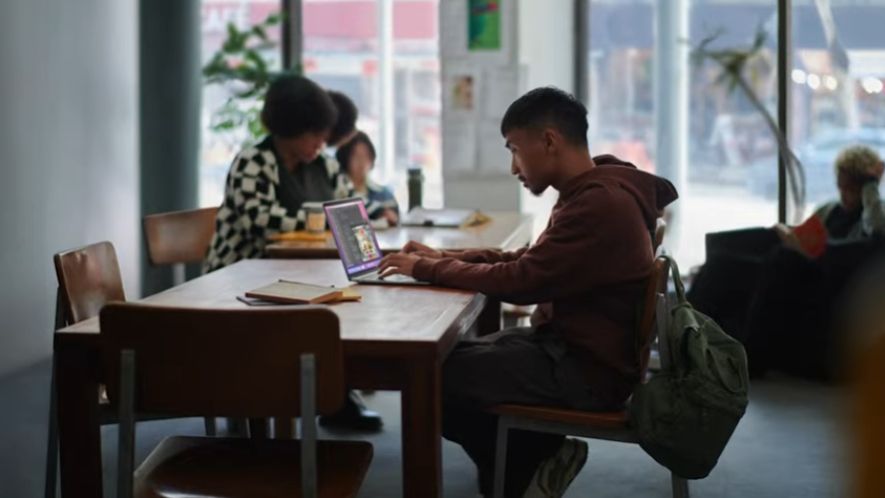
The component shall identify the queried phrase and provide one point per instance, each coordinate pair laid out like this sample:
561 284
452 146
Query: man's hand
878 170
788 238
420 249
398 263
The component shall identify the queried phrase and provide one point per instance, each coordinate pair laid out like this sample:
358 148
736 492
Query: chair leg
51 478
679 485
211 427
259 428
283 428
501 456
238 427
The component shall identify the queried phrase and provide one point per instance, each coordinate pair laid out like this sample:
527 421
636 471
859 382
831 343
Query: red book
812 235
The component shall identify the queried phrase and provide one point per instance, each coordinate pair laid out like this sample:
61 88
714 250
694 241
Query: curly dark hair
346 122
295 105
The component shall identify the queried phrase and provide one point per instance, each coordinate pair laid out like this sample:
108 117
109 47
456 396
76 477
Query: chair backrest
223 362
180 236
88 278
660 230
655 285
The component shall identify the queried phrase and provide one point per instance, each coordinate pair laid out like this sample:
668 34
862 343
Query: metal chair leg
51 479
679 485
259 428
210 426
501 456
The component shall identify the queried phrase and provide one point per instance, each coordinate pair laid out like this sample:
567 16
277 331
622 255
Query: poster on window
484 25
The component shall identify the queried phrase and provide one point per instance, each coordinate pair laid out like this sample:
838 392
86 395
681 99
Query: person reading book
858 214
789 296
586 272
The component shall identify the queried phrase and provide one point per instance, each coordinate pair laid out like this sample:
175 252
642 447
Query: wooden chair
281 362
658 235
178 238
611 426
88 278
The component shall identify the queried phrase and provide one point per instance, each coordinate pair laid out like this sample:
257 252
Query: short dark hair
344 152
548 106
347 113
295 105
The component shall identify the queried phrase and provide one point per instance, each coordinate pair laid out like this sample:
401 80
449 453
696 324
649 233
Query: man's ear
551 139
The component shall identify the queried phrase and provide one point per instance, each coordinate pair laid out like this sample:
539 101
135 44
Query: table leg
421 431
78 424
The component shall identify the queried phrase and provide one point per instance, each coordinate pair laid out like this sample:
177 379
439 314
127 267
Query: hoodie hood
651 192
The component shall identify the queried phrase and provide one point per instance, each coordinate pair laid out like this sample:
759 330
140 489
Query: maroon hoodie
586 270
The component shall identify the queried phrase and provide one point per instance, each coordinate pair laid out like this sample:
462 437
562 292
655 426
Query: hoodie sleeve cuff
423 269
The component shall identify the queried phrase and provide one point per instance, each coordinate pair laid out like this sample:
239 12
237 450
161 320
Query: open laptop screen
354 235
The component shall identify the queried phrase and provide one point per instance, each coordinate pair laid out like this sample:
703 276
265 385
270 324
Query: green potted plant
735 63
241 67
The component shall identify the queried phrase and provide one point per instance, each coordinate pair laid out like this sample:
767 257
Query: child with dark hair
357 158
269 182
345 125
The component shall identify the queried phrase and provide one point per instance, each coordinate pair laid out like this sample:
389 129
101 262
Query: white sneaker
556 473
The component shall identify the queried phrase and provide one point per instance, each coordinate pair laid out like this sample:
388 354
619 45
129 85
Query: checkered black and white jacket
250 211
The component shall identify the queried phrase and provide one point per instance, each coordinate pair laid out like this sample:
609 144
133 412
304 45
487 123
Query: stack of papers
450 218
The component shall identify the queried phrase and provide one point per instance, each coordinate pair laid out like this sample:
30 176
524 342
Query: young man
586 273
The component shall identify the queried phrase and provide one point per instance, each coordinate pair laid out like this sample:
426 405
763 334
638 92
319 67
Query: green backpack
685 415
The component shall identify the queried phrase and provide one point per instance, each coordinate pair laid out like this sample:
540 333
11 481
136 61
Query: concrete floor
787 445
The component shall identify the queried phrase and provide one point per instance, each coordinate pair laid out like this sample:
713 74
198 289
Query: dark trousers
521 366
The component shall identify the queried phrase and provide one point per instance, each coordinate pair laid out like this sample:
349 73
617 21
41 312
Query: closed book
812 235
348 291
295 293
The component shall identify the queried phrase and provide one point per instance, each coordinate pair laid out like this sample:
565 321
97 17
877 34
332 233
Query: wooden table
395 339
506 231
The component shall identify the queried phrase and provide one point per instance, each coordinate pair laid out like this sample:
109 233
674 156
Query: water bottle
416 187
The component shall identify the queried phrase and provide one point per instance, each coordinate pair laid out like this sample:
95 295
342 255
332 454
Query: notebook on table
357 245
295 293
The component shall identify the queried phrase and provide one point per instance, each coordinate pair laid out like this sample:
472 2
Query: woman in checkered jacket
268 183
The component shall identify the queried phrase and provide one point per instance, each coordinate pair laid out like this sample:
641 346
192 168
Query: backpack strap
677 280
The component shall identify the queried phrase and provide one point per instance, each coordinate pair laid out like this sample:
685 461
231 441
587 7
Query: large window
708 140
382 53
218 149
837 86
727 174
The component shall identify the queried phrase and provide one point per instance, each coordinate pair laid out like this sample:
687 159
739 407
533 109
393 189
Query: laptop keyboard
390 278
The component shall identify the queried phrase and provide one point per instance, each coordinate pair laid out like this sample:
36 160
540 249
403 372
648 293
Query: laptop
357 244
